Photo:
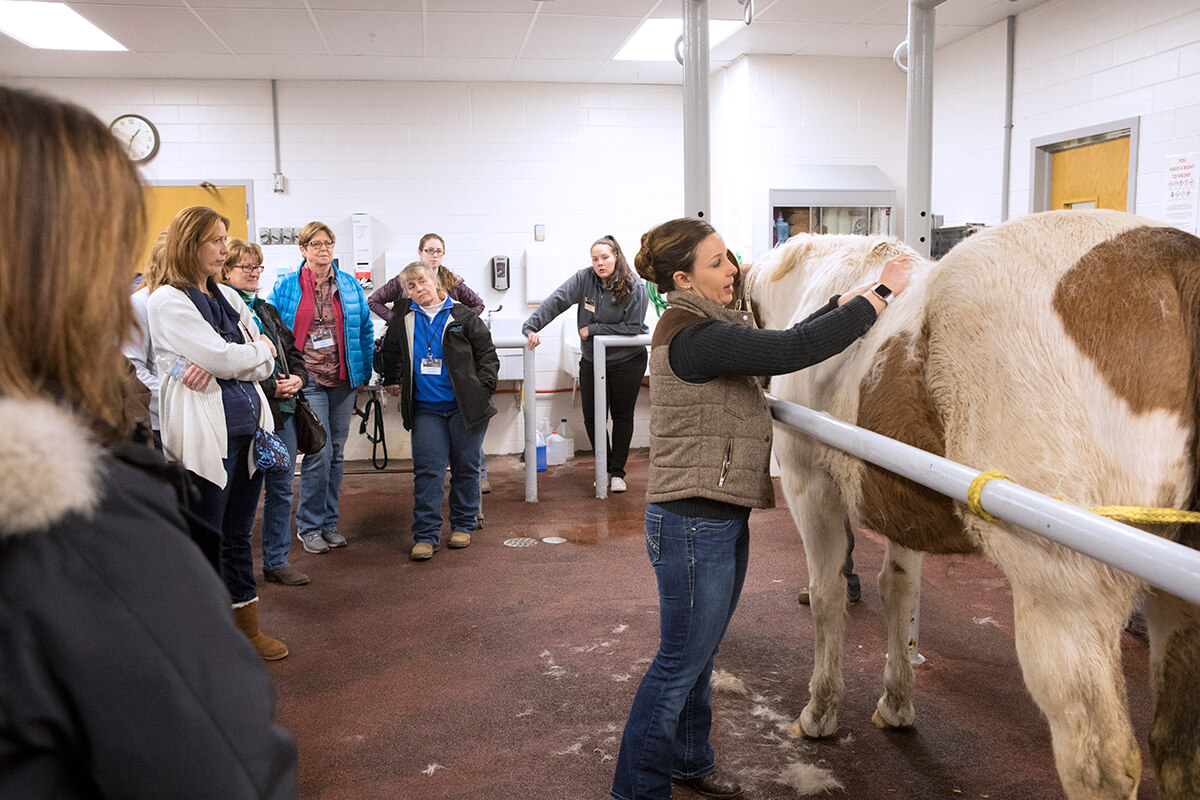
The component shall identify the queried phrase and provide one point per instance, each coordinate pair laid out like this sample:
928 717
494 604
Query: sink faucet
495 310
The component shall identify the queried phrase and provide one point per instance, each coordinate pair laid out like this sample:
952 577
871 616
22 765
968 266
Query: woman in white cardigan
211 356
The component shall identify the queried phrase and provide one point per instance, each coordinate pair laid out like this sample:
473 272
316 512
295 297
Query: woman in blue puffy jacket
328 313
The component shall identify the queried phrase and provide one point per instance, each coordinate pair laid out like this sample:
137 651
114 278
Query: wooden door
164 202
1091 176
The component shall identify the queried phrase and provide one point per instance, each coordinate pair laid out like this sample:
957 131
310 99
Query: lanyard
438 323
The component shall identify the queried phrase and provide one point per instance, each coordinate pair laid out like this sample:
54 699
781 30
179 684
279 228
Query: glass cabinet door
860 220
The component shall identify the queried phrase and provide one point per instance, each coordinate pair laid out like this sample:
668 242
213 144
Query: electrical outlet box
264 235
276 236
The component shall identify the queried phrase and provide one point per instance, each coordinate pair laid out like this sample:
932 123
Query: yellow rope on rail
1137 514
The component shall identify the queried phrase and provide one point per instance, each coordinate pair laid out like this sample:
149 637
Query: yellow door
1091 176
164 202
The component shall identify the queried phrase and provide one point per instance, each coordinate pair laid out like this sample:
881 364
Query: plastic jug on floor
556 449
541 452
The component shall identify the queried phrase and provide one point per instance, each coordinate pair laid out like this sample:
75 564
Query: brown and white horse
1062 349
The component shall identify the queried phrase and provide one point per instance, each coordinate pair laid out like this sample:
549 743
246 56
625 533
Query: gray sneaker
333 538
314 543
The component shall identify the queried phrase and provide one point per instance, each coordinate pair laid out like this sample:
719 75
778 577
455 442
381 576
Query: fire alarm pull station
499 272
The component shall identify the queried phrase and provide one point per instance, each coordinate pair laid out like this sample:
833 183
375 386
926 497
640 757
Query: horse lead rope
1137 514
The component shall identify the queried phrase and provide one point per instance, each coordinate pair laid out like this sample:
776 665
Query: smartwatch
882 292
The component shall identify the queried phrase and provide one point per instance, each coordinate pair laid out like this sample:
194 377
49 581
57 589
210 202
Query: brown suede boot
246 618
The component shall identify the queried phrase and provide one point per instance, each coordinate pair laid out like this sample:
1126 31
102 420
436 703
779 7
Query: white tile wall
1078 63
774 114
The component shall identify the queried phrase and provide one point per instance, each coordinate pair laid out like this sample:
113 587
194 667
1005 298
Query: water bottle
566 434
781 228
541 452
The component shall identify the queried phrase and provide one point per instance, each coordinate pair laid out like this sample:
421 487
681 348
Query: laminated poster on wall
1182 191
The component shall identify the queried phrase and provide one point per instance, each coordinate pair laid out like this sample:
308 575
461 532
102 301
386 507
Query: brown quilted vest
711 439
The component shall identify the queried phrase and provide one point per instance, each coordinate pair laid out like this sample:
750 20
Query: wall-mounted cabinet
834 199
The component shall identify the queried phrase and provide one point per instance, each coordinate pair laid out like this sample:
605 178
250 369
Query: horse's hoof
805 727
884 725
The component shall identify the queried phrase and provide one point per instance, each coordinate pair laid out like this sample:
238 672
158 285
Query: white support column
697 191
918 192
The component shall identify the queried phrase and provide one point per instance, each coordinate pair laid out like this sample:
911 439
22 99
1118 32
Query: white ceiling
462 40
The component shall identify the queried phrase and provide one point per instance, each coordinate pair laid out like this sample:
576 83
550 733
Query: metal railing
1160 562
528 407
600 346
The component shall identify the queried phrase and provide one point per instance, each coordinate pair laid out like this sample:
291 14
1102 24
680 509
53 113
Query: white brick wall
772 115
1077 63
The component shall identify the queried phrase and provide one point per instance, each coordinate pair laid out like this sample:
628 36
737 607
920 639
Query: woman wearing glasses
243 268
326 310
430 251
202 330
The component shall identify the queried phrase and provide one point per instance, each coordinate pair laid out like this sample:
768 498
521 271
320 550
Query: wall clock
137 135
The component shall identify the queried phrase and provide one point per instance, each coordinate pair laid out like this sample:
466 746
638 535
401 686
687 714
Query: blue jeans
277 506
321 473
700 565
231 510
440 438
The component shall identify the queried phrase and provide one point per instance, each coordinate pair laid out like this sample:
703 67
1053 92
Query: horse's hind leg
1069 613
1174 627
818 511
900 591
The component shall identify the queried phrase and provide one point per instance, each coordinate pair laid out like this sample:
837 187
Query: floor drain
520 541
554 540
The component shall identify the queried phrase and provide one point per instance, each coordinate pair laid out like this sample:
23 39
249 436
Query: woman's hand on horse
896 273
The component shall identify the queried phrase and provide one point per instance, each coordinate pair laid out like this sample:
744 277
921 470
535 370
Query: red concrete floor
506 673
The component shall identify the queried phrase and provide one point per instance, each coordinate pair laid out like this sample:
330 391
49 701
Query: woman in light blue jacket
328 313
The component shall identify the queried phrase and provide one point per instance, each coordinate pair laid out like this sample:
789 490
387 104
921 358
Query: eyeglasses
429 251
320 245
249 267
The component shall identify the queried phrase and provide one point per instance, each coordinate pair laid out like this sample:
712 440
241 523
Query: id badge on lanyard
431 366
322 339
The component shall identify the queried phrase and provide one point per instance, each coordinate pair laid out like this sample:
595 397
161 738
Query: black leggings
624 380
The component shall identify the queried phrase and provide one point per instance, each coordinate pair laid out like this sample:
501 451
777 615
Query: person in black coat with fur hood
121 671
438 358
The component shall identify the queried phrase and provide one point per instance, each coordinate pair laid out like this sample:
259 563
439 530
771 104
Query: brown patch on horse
895 401
1122 305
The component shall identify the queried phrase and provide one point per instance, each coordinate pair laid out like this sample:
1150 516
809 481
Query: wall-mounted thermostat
499 272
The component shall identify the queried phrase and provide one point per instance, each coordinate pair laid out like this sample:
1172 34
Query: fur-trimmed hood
50 463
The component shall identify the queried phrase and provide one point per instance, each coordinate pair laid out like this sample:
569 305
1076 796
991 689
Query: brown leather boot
267 648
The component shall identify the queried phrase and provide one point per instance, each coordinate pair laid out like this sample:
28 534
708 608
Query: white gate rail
1162 563
600 346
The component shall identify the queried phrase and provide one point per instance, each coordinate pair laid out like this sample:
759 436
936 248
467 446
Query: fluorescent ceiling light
52 26
655 40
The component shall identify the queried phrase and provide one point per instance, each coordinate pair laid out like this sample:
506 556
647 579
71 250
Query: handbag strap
253 412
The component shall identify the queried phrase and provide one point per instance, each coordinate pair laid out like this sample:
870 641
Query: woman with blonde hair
243 268
202 328
115 633
138 348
